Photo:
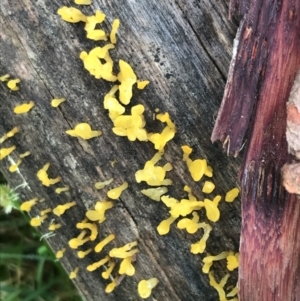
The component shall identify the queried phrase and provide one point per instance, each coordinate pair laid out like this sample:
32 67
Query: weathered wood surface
184 49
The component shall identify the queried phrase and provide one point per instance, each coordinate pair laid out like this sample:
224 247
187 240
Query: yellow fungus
27 205
60 253
219 287
45 211
132 125
208 187
54 227
212 210
126 267
97 35
9 134
185 207
82 254
155 193
14 167
76 242
59 190
116 192
111 286
26 154
99 213
160 139
24 108
4 78
231 195
233 292
92 267
154 175
168 201
106 274
92 21
115 27
200 246
101 185
209 171
90 226
84 131
100 52
99 247
190 225
37 221
4 152
145 287
142 84
112 104
124 251
12 84
73 274
232 261
43 176
71 14
208 261
190 194
83 2
57 101
164 227
60 209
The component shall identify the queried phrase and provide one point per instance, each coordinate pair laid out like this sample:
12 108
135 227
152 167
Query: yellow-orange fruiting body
37 221
124 251
232 261
82 254
4 152
155 193
219 287
60 209
208 261
9 134
60 253
126 267
4 78
71 14
24 108
164 227
84 131
99 247
92 267
142 84
76 242
111 286
200 246
90 226
208 187
115 193
212 210
73 274
45 211
43 176
83 2
55 102
12 84
54 227
59 190
110 268
145 287
101 185
231 195
191 225
92 21
27 205
115 26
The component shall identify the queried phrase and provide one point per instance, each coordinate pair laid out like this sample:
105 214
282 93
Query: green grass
28 270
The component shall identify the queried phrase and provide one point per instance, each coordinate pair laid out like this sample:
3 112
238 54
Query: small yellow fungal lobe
232 261
99 213
168 201
142 84
154 175
27 205
15 167
43 176
155 193
127 78
99 247
185 207
115 27
164 227
57 101
26 154
92 267
208 261
60 253
212 210
200 246
208 187
209 171
9 134
4 78
71 14
92 21
231 195
101 185
233 293
84 131
12 84
24 108
76 242
112 104
60 209
219 287
126 267
37 221
111 286
54 227
132 125
190 225
97 35
90 226
115 193
106 274
45 211
145 287
83 2
82 254
73 274
160 139
124 251
4 152
59 190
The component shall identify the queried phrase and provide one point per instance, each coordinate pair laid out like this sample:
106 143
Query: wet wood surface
184 49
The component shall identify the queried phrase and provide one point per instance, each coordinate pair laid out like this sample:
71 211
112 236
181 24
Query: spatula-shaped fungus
99 247
142 84
27 205
190 225
92 21
4 152
82 254
164 227
232 261
55 102
53 226
78 241
45 211
4 78
43 176
12 84
111 286
212 210
101 185
208 261
231 195
219 287
9 134
60 209
71 14
200 246
83 2
37 221
73 273
124 251
90 226
60 253
208 187
106 274
154 175
155 193
126 267
112 104
114 29
59 190
99 213
185 207
23 108
145 287
84 131
94 266
115 193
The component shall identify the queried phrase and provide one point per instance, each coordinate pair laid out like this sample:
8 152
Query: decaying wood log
184 49
262 72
